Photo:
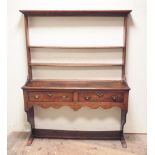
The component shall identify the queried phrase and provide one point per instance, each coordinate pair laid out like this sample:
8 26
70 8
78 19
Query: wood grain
77 105
76 85
42 133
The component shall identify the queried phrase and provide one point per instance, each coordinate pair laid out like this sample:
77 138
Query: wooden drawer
113 97
51 96
36 96
100 96
91 96
58 96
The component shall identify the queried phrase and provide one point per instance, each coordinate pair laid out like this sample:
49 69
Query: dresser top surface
73 84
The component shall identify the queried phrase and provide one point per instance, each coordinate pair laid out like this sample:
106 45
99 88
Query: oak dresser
76 93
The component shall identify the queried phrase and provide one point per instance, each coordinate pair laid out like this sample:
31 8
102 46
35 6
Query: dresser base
76 94
81 135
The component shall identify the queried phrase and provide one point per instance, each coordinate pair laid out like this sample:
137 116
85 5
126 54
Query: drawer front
36 96
113 97
51 96
58 96
91 96
99 96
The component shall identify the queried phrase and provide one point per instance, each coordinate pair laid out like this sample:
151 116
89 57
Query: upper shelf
77 47
112 13
75 65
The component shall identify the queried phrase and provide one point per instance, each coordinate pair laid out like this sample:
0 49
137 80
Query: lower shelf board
67 134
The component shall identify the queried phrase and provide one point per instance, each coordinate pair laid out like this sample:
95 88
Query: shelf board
74 65
112 13
78 47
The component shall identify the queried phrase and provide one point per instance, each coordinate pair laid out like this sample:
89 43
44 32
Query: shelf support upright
124 111
124 48
27 47
29 111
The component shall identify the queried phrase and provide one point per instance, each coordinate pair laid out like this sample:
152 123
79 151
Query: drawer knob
115 98
64 96
49 94
87 97
36 96
99 94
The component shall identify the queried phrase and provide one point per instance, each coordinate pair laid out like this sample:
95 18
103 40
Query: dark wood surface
76 99
77 105
51 96
63 134
75 85
115 13
30 118
100 96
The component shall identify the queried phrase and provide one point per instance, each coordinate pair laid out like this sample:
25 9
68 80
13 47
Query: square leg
30 140
123 142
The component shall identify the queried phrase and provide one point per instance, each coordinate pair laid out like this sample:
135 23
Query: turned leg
123 121
30 118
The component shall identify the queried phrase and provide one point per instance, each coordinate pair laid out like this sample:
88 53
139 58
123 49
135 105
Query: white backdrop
85 119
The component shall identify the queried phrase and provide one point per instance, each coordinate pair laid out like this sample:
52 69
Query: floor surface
17 146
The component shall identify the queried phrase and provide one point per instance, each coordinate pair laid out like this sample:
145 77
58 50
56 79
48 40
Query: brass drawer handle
115 98
36 96
49 94
64 96
99 94
87 97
